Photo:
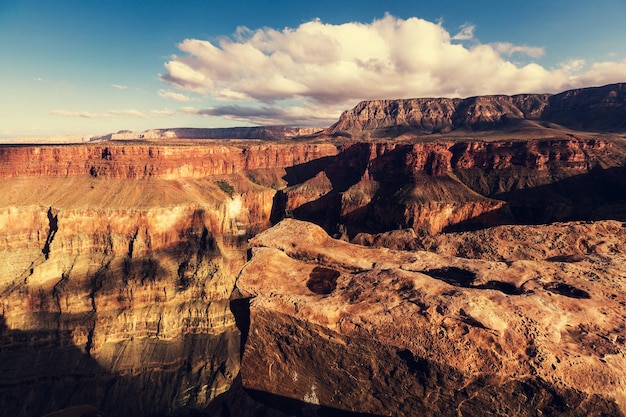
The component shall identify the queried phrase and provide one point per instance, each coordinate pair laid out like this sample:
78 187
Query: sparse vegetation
226 187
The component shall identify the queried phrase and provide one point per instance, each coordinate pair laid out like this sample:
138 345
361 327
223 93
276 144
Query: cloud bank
320 67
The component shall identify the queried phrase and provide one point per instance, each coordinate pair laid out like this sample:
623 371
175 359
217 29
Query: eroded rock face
558 242
593 109
153 161
416 333
438 186
117 264
123 309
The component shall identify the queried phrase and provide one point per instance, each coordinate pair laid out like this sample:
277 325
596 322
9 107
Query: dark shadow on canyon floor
42 372
241 402
300 173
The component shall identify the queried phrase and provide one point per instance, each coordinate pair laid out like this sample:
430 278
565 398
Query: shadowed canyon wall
438 186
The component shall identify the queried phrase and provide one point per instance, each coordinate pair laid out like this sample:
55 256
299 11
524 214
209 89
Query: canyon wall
117 267
253 132
119 263
140 161
442 186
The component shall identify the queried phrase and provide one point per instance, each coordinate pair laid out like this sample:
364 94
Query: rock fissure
53 228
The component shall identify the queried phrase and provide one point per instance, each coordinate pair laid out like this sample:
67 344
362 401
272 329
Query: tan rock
406 333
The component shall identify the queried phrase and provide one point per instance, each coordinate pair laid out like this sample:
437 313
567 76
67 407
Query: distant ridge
253 132
269 133
601 109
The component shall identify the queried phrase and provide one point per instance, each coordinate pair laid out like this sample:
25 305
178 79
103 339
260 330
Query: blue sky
91 67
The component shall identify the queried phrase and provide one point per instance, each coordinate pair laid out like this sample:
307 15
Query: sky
72 67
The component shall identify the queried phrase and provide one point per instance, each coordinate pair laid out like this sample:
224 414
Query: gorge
386 266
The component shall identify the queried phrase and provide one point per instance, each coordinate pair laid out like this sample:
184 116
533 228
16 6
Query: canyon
379 267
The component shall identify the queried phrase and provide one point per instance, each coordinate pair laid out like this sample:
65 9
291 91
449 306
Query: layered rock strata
592 109
141 161
118 260
416 333
117 267
444 185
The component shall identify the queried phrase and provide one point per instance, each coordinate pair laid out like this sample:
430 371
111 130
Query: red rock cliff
432 186
148 161
118 262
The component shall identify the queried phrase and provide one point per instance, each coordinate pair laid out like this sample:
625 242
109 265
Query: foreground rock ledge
415 333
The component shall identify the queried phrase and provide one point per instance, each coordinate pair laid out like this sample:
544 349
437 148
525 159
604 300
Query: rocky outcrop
557 242
437 186
397 333
591 109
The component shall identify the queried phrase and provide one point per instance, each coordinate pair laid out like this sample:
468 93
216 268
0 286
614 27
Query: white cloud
466 33
324 67
601 73
89 115
172 95
119 86
573 65
84 114
129 112
508 49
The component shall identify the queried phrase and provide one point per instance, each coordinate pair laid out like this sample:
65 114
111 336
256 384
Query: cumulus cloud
602 73
573 65
316 67
119 86
90 115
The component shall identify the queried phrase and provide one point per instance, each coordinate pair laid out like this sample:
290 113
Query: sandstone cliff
117 267
590 109
152 160
415 333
